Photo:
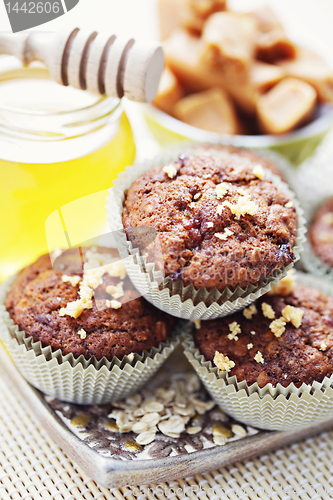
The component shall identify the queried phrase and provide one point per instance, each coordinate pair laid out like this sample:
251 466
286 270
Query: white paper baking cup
174 298
77 380
268 407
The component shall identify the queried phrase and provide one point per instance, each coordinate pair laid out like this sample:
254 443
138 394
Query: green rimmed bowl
297 146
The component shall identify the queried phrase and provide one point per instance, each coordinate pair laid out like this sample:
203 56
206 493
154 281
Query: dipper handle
103 64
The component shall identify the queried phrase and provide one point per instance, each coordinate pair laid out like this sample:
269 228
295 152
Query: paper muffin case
268 407
173 297
79 381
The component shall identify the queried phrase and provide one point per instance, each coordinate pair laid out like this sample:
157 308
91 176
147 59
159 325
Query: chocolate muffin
90 312
321 232
281 339
219 222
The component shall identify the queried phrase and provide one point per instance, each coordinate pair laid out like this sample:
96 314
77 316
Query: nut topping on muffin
278 327
259 172
234 329
114 304
243 206
221 190
92 278
294 315
223 362
73 280
86 321
250 311
224 236
296 347
116 291
267 310
82 333
258 358
238 232
170 170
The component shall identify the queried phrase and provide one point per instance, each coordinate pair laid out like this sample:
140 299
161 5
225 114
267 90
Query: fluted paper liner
78 380
268 407
173 297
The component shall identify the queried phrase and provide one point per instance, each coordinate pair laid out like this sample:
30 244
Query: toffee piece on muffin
321 232
88 308
285 337
219 221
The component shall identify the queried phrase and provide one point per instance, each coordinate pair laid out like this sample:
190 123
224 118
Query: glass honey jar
57 145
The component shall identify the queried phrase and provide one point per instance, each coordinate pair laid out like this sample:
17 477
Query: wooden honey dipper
103 64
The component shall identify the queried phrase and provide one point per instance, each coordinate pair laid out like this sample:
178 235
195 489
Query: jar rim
15 71
62 112
86 112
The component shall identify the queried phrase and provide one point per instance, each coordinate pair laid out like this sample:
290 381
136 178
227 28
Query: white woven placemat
32 466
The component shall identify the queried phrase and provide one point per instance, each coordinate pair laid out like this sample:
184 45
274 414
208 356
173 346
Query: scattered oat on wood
169 410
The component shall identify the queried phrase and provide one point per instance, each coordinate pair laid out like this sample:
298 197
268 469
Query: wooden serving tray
108 457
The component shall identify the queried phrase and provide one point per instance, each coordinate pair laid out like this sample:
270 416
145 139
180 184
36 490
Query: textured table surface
32 466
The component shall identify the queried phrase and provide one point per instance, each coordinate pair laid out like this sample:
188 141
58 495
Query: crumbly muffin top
280 339
94 313
219 222
249 154
321 232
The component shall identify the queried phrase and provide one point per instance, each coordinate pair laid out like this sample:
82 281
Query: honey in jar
57 145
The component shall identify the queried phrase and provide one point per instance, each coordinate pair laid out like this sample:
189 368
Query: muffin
220 223
279 340
321 233
116 323
204 233
271 365
83 311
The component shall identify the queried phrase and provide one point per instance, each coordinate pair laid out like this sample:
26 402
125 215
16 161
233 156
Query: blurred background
306 18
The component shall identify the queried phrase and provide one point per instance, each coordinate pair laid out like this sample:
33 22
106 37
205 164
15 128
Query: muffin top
280 339
92 313
219 222
321 232
249 154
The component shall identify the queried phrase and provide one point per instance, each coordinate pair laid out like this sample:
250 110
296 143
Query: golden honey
57 145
